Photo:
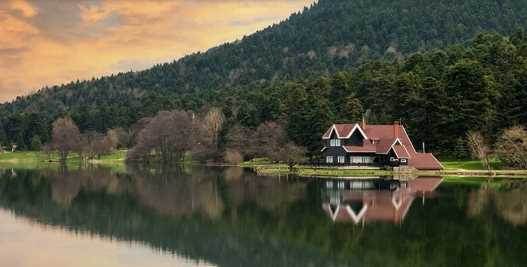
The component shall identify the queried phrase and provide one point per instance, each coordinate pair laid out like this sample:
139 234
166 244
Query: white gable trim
390 147
334 129
354 129
357 217
397 201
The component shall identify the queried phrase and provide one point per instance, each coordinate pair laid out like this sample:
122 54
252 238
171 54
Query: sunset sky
48 42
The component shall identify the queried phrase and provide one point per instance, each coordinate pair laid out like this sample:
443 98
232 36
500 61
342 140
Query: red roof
383 138
342 130
366 148
401 152
425 161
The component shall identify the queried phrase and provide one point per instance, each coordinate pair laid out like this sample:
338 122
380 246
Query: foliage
512 147
168 136
269 140
479 148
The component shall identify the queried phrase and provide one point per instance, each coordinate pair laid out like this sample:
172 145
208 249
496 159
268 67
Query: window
329 159
334 142
367 160
403 160
356 160
342 159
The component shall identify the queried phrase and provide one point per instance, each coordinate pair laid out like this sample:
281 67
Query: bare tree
268 139
233 156
168 136
479 149
238 138
512 147
66 137
119 137
291 154
214 123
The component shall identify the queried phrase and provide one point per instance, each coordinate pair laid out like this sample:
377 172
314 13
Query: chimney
363 123
396 126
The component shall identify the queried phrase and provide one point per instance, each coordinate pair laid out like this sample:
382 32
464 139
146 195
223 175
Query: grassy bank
35 159
452 169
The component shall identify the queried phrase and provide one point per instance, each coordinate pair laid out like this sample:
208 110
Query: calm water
232 217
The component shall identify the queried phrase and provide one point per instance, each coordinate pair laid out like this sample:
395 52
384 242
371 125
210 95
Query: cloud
22 6
53 42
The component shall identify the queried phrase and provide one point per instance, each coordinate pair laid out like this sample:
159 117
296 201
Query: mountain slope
331 35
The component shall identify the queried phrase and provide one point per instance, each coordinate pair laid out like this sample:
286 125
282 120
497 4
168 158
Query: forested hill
329 36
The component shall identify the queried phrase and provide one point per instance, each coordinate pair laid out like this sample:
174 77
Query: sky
49 42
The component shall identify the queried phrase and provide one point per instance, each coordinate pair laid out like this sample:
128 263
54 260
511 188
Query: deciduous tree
66 137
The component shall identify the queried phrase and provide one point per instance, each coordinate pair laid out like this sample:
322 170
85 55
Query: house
373 145
363 201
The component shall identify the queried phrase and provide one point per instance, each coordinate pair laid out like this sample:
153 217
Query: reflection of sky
24 243
53 42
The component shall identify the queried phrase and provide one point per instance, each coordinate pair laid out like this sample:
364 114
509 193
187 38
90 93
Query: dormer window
334 142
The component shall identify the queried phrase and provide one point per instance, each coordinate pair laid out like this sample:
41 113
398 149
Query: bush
512 147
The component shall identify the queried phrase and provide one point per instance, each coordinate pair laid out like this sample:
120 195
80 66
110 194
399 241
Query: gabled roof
343 131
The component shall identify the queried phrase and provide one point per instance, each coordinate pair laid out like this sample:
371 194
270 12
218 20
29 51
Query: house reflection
374 199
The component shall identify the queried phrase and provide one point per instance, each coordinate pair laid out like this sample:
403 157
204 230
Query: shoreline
310 171
115 160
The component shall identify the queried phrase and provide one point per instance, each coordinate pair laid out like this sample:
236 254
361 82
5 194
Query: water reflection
384 199
509 201
232 217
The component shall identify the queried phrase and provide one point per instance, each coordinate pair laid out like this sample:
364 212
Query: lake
197 216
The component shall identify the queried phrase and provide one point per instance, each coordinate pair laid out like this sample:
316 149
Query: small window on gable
334 142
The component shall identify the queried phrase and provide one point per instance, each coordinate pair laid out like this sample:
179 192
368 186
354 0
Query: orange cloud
25 8
65 41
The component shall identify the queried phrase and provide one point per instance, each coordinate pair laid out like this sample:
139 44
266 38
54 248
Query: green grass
38 160
470 165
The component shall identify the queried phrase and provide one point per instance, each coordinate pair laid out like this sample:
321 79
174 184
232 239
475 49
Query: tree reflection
231 217
507 199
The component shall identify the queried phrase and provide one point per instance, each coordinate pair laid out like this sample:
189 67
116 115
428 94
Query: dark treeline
439 96
330 36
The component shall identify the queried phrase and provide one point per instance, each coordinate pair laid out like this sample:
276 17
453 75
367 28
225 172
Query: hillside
331 35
